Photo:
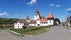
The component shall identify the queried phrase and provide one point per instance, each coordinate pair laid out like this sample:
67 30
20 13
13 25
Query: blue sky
23 8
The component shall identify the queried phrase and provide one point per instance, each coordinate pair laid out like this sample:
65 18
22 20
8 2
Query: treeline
8 20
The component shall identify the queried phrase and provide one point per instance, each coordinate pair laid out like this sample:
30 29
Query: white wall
18 25
40 24
37 22
36 17
32 25
43 24
50 22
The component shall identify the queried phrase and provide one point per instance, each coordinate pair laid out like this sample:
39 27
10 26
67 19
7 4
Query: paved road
55 33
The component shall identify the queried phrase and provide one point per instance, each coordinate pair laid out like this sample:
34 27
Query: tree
57 21
8 20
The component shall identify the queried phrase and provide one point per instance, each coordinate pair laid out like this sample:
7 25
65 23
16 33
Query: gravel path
55 33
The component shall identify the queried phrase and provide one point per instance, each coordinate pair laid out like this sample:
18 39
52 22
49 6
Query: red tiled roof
42 20
50 15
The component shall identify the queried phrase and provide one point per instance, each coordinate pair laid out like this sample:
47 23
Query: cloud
68 9
51 5
57 5
54 5
4 14
32 2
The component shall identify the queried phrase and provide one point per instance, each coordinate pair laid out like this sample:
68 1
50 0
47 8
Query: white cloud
68 9
51 5
4 14
32 2
57 5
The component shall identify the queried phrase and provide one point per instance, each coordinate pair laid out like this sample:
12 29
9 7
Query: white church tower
50 19
37 15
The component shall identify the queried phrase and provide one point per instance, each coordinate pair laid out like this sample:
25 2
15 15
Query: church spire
37 15
37 11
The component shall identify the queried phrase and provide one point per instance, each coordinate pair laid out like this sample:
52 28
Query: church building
41 20
37 21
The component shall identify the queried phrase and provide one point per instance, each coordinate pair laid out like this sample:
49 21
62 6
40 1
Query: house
68 21
32 23
50 19
19 24
28 19
22 22
42 22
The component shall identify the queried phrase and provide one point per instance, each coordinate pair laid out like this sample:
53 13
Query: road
55 33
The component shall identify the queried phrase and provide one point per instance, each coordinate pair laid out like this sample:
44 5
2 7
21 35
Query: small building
32 23
19 24
28 19
50 19
42 22
68 21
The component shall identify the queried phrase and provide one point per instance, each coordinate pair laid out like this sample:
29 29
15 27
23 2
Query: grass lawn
68 27
32 30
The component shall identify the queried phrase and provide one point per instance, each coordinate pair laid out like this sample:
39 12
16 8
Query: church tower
37 15
50 16
50 19
28 19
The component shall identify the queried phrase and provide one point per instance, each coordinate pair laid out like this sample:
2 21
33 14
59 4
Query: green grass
68 27
2 28
31 30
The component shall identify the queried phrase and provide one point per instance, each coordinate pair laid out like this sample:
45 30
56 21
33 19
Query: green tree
57 20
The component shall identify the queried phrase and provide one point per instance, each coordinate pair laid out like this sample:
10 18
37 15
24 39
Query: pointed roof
37 11
27 18
50 15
